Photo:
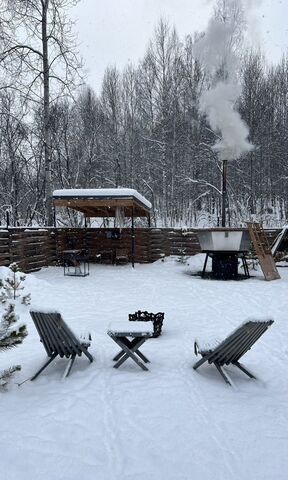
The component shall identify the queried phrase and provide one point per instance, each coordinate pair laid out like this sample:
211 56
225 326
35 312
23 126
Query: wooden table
130 337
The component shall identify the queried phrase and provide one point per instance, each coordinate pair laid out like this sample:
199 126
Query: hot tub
225 247
224 240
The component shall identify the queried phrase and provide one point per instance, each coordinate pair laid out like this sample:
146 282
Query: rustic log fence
34 248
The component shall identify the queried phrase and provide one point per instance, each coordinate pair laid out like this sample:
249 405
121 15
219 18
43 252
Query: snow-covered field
169 423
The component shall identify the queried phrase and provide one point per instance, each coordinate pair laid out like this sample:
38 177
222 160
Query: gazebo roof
102 202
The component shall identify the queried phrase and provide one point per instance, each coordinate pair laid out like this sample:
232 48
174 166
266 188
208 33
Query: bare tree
38 56
13 146
145 130
112 109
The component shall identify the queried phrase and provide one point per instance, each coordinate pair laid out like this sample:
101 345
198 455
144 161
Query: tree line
143 130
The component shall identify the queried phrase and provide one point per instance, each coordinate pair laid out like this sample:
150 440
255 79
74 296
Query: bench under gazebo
119 203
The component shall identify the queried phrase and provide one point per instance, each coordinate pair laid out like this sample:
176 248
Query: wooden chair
121 256
233 347
58 339
107 256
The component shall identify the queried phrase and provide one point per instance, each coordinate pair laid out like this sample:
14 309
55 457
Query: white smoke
219 105
217 51
214 50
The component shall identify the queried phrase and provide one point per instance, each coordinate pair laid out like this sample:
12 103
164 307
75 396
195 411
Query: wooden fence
35 248
150 244
32 249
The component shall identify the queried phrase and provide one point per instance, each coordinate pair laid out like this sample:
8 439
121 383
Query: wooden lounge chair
58 339
233 347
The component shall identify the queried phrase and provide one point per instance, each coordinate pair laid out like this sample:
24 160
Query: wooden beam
102 207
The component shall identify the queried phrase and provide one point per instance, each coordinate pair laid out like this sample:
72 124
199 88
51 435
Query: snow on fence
35 248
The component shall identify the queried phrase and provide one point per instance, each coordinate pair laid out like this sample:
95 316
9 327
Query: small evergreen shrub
12 286
11 334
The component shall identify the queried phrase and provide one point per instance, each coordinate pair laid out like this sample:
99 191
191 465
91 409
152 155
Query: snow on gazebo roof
97 202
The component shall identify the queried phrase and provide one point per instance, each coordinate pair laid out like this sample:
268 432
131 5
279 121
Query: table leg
131 346
245 266
129 352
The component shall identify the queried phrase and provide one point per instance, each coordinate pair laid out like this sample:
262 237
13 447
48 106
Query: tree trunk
46 120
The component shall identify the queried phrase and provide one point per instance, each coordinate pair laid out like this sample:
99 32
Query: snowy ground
169 423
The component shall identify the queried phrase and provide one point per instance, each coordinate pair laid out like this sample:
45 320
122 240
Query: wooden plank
263 251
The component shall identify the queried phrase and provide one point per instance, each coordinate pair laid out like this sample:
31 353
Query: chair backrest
239 342
55 335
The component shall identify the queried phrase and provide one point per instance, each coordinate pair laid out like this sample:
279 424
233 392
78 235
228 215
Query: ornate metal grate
156 318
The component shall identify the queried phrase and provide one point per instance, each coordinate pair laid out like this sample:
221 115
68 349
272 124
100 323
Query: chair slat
237 345
225 347
55 336
41 329
251 342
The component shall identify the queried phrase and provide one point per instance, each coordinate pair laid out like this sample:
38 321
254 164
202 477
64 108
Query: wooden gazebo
106 202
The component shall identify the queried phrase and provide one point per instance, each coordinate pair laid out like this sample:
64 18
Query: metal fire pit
225 247
156 318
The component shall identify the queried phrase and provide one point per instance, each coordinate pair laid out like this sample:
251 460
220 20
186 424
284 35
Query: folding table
130 337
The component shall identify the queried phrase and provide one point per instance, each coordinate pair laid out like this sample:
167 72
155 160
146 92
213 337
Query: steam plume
217 50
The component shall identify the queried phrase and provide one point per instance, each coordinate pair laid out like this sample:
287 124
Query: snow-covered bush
12 285
11 333
10 336
182 256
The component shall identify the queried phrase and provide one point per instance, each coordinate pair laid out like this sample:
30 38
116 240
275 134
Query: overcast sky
114 32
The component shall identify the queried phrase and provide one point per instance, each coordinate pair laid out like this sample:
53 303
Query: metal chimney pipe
224 192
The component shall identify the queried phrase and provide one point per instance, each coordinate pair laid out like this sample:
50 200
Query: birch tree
39 61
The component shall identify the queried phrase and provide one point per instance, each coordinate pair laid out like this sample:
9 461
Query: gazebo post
132 236
85 233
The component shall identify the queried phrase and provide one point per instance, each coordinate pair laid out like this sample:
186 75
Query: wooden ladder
263 251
